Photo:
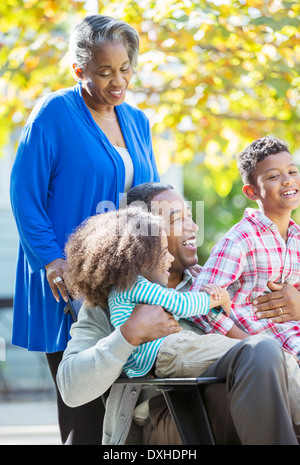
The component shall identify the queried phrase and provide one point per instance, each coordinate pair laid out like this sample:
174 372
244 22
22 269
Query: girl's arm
180 304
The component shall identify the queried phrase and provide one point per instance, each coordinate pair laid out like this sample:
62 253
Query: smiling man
181 232
96 355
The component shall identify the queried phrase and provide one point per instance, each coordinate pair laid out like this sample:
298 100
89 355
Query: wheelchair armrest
184 398
171 381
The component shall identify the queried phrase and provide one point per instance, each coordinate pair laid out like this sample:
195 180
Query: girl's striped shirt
180 304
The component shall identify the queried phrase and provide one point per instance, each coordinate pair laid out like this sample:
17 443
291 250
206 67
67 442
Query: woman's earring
77 72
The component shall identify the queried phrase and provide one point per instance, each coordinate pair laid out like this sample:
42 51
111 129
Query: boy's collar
258 217
264 222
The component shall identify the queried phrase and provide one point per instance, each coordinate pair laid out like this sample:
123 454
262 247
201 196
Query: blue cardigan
64 168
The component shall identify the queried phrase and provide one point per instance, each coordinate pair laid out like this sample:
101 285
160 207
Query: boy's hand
219 297
195 270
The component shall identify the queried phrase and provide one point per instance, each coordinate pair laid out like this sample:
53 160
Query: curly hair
255 152
112 249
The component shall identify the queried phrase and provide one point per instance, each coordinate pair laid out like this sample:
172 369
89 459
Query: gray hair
94 31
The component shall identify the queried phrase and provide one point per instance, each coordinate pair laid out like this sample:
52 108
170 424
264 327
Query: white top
129 169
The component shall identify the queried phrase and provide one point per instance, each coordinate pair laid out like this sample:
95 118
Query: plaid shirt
252 253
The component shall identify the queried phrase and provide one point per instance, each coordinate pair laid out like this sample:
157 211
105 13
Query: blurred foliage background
213 76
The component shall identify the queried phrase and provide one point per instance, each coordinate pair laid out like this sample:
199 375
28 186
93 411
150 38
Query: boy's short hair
256 152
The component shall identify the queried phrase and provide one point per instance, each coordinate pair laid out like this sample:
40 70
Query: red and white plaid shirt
252 253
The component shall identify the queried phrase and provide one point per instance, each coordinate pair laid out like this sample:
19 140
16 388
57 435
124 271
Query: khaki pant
187 354
255 407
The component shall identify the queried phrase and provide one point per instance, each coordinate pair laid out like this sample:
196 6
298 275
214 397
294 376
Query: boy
264 246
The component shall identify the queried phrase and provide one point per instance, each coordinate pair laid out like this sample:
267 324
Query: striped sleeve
180 304
120 308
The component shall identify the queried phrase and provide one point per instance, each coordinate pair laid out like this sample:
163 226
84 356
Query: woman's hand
148 323
55 272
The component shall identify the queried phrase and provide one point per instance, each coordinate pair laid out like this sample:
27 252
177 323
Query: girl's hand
219 297
213 290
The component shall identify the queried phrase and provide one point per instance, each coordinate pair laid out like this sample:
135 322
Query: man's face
181 229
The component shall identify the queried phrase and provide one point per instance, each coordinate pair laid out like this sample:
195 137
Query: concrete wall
20 371
8 230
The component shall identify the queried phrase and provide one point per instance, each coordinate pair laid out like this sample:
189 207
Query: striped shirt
180 304
252 253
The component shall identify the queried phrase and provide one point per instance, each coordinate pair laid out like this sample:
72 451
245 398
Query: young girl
120 259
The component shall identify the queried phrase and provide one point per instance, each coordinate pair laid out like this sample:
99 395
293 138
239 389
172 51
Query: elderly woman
80 149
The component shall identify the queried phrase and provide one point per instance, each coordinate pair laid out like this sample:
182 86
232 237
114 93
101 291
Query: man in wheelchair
251 407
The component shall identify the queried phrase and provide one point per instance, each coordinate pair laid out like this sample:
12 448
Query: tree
213 76
217 74
33 45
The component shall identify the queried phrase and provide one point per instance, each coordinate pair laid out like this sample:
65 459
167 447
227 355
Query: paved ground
30 417
29 423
